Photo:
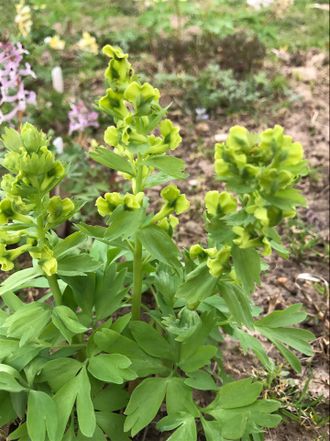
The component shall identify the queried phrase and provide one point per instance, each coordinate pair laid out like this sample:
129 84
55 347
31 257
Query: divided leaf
112 368
144 404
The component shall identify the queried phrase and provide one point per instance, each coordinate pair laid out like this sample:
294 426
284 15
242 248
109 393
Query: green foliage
128 324
215 88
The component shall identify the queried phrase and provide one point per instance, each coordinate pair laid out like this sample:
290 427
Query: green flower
32 138
169 223
170 134
107 204
5 260
197 251
59 210
133 201
244 239
218 260
6 211
119 71
219 203
46 259
111 136
142 96
113 104
114 52
49 266
175 201
238 139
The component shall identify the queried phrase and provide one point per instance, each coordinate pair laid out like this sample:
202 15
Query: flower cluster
23 18
13 96
55 42
140 139
80 118
88 44
269 163
136 111
106 205
262 170
27 210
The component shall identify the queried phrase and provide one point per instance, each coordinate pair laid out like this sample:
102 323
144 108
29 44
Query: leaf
7 347
201 380
151 341
179 397
296 338
59 371
239 393
7 413
76 265
85 407
64 399
41 416
198 285
285 199
112 368
144 404
170 165
67 322
247 267
200 358
186 427
83 288
28 322
111 160
211 430
95 231
124 223
238 411
112 397
109 291
98 435
290 357
66 245
18 279
249 342
238 304
113 425
9 383
159 244
110 341
290 316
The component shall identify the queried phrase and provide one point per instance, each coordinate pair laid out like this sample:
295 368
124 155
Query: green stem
53 285
137 281
137 262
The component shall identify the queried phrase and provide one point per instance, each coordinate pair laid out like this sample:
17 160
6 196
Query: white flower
58 144
258 4
57 79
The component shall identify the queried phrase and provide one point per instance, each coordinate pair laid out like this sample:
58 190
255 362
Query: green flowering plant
130 328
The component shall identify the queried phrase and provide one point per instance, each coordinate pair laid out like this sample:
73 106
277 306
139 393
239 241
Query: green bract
129 326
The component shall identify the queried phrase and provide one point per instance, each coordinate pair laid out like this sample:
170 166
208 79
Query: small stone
202 127
220 137
282 280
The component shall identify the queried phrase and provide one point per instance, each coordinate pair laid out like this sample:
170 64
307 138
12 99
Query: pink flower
12 72
80 117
